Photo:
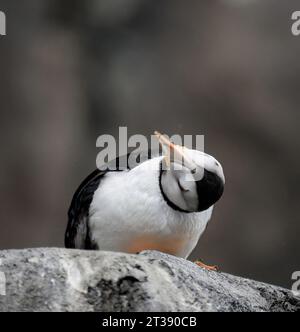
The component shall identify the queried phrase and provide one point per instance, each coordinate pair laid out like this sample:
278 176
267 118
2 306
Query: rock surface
73 280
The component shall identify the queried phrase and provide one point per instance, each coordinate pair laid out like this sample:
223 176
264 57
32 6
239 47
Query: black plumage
77 233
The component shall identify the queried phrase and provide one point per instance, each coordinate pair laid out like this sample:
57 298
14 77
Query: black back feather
77 233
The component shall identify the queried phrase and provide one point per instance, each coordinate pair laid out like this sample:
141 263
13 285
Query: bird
164 203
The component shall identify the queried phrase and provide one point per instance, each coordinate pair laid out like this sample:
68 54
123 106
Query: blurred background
72 70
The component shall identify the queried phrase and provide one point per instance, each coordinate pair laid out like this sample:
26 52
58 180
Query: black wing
77 233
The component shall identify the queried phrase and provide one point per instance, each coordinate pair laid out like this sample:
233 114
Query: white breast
128 214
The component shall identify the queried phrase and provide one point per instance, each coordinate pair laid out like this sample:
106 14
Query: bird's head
190 180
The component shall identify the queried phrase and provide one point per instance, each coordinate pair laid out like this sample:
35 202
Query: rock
74 280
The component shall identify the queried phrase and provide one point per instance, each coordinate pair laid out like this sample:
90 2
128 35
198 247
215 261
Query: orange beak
175 153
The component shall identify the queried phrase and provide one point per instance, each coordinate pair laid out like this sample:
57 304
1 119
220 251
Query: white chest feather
129 214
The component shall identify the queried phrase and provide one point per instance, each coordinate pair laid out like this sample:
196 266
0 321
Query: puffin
163 203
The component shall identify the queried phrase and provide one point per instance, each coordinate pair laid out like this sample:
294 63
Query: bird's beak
175 153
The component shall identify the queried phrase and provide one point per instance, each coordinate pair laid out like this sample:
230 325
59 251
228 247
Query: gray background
230 70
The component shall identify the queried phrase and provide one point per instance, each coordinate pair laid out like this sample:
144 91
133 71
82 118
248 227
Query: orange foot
207 267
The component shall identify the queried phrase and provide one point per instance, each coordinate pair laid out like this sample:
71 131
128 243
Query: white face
205 161
187 187
180 188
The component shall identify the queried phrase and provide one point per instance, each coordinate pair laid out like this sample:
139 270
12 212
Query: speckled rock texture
74 280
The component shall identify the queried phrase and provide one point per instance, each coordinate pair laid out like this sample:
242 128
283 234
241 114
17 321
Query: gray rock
74 280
